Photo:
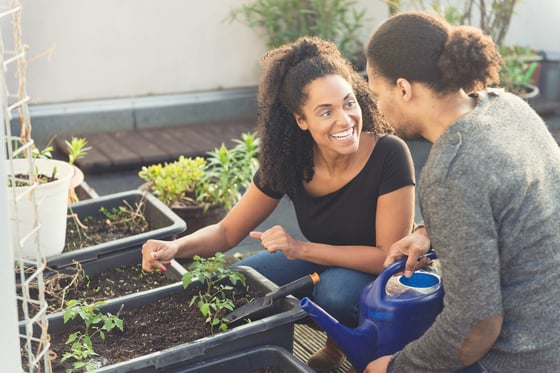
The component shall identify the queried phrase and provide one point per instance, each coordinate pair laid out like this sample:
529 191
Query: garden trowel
262 303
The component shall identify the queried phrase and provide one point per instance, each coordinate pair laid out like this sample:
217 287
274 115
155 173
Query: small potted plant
202 190
38 198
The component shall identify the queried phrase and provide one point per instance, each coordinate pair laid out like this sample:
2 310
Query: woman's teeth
343 134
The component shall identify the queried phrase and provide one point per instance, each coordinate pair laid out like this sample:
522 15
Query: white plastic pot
52 202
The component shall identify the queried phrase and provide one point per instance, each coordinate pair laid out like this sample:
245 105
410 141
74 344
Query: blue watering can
389 319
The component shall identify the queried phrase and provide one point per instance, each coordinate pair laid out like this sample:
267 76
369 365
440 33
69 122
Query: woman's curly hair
286 155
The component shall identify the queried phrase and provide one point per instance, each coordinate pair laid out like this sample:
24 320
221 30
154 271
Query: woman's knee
339 292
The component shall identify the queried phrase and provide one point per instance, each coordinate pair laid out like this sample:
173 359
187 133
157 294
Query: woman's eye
351 104
325 113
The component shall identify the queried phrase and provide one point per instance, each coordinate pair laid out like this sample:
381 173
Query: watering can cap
420 280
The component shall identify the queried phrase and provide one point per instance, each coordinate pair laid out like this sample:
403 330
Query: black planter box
166 224
254 359
174 271
275 328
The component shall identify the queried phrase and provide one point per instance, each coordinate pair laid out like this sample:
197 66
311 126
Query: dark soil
154 327
72 283
112 225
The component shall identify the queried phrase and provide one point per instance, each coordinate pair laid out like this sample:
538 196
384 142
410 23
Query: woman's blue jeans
338 291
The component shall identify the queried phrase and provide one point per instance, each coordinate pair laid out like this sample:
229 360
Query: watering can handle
398 266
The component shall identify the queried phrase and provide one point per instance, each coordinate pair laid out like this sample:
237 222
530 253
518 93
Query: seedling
77 148
213 301
96 323
124 217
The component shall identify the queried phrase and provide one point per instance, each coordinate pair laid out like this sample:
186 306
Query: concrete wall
114 49
147 54
125 48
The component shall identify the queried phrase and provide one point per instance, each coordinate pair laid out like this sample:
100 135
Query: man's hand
414 245
378 365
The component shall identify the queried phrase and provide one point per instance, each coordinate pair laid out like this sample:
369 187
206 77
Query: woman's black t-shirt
347 216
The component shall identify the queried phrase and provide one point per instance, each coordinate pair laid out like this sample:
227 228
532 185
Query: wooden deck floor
120 150
307 341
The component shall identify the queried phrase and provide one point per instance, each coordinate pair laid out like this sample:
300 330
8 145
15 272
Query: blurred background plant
284 21
519 67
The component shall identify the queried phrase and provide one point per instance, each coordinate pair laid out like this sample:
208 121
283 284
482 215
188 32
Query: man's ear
302 124
405 89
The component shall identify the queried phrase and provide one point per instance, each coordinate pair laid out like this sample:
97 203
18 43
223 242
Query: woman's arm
252 209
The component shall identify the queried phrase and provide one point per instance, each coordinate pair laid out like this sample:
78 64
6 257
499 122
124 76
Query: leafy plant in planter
285 21
96 323
202 190
76 147
213 300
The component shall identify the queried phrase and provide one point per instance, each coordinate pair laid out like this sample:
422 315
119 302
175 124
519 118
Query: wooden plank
196 141
120 156
137 141
167 142
137 147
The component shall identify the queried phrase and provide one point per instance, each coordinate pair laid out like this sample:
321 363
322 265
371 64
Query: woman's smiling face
332 114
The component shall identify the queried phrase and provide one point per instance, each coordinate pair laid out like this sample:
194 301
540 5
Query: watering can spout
358 344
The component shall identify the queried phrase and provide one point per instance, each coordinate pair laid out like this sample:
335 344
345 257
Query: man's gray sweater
490 198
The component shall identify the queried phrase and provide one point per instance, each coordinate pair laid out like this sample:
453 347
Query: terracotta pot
75 182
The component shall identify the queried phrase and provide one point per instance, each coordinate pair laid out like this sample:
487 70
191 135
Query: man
489 195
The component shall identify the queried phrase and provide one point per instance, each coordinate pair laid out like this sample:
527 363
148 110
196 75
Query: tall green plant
284 21
212 301
229 171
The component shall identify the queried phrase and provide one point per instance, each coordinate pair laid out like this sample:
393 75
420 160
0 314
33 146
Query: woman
489 194
350 181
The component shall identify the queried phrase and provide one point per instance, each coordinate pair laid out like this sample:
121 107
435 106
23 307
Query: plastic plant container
174 271
51 199
275 328
166 224
254 359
